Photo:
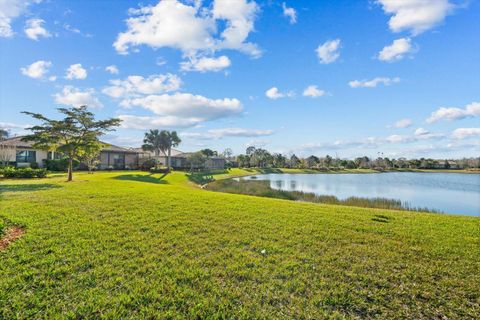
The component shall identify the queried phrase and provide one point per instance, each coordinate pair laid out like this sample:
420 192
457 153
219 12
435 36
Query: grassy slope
127 244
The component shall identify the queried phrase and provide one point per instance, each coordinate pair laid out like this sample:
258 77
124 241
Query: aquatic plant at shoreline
263 189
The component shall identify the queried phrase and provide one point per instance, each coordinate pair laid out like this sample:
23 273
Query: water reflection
447 192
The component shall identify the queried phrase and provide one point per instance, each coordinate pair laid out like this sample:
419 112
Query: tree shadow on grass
150 178
204 177
27 187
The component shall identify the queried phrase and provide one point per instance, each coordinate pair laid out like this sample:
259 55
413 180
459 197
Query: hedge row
10 172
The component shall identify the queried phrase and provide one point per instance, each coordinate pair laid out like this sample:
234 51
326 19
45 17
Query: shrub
59 164
23 173
148 164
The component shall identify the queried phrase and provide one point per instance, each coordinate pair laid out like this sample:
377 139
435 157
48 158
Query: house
19 153
22 154
179 160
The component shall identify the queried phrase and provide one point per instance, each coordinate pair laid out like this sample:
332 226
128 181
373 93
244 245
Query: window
56 155
26 156
118 160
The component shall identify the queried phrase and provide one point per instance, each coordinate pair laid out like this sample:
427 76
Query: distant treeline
257 157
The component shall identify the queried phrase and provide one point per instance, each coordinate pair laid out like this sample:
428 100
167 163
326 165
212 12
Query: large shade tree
73 136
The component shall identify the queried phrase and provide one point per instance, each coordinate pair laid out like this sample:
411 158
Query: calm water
447 192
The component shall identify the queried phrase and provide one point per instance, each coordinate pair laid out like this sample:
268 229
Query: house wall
213 164
131 160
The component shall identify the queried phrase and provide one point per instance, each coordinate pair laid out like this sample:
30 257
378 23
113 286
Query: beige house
22 154
16 152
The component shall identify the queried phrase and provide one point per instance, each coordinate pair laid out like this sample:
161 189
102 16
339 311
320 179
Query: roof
174 152
17 142
113 148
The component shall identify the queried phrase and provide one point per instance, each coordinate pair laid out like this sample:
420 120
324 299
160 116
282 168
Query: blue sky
344 78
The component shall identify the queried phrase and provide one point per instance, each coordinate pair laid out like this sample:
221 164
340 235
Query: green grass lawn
134 245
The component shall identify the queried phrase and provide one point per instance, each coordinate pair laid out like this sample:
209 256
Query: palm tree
153 142
169 139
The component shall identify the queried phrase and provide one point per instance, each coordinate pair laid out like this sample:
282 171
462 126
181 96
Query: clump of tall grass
263 189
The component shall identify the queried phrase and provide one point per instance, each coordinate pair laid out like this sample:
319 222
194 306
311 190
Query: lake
454 193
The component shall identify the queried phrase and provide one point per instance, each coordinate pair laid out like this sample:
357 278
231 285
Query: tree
294 161
227 153
5 150
209 152
71 136
250 150
196 159
279 160
153 142
169 139
91 156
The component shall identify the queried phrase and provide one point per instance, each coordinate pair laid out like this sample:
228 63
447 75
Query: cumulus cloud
421 132
205 64
373 83
112 69
464 133
328 51
417 16
10 10
136 86
189 106
403 123
397 50
37 70
76 71
75 97
191 28
274 94
471 110
290 13
313 92
34 29
228 132
147 122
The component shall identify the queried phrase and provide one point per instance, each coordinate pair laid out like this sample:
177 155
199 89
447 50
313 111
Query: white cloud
403 123
76 71
205 64
417 16
421 132
397 50
290 13
189 106
328 51
112 69
373 83
464 133
136 86
75 97
471 110
37 70
191 28
9 10
313 91
228 132
148 122
274 94
34 29
10 125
